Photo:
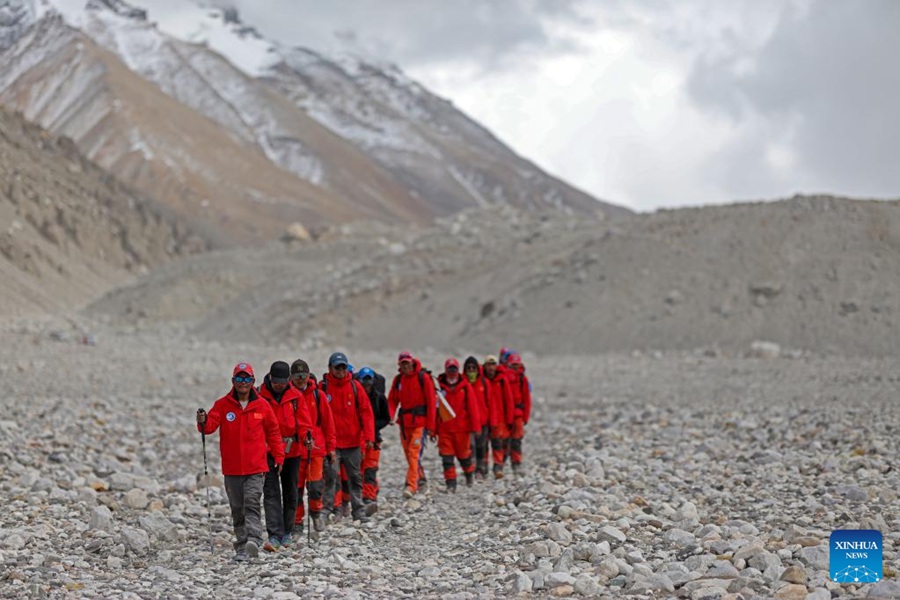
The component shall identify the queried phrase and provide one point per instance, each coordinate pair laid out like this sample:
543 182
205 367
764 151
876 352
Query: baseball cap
338 358
279 372
514 359
366 373
243 367
490 359
299 366
451 362
405 357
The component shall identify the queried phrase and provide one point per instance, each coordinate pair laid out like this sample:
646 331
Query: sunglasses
278 380
471 368
299 375
239 379
449 369
367 379
339 367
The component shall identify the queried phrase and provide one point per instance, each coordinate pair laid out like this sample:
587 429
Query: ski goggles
239 379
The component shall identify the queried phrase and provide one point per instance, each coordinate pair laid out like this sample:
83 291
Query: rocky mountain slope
221 123
69 230
810 273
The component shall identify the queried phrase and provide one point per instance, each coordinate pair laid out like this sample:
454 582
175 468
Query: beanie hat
470 361
279 372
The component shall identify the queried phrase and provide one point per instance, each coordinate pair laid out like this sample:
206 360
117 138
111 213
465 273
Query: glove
370 445
201 416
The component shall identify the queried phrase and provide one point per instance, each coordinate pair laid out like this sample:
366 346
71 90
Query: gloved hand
370 445
201 416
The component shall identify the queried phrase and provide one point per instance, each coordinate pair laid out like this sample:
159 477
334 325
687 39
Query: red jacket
520 388
464 403
354 423
246 435
415 396
323 429
500 400
482 395
292 413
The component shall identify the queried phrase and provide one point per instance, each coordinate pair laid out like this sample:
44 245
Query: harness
416 411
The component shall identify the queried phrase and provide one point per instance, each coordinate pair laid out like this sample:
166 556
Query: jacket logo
230 417
257 416
328 397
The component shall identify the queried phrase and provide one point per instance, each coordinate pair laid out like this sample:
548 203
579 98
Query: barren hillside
69 230
817 273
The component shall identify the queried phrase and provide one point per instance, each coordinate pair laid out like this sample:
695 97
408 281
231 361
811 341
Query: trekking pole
309 447
206 476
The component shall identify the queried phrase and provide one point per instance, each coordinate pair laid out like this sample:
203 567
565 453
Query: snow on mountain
15 17
360 130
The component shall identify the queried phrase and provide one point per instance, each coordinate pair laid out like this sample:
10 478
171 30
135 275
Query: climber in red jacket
249 429
455 434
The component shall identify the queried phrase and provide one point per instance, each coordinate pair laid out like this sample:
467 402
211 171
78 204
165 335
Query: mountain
221 124
70 231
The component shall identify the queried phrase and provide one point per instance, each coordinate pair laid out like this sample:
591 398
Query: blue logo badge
230 416
855 556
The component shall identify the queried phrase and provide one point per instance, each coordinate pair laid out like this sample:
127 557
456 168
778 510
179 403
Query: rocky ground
661 475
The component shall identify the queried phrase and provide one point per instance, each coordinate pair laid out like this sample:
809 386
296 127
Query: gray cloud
826 86
414 33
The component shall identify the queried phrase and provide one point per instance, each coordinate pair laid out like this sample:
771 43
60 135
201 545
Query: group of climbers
294 433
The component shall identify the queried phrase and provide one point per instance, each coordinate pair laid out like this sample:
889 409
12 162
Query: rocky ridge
70 231
809 274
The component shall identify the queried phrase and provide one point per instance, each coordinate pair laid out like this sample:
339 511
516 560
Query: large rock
815 557
136 499
102 519
136 540
158 526
558 533
610 534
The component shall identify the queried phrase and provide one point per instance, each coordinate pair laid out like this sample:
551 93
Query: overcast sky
649 103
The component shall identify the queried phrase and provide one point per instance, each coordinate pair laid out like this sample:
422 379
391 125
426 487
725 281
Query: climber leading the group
412 391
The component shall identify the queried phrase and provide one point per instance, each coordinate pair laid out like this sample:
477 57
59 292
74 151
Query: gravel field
663 475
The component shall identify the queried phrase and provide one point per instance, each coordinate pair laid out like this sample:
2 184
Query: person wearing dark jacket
369 380
280 494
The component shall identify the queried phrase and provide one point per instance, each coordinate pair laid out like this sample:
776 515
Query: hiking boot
479 476
318 522
272 545
408 493
252 549
470 479
287 540
360 517
451 486
498 474
371 508
345 510
241 556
